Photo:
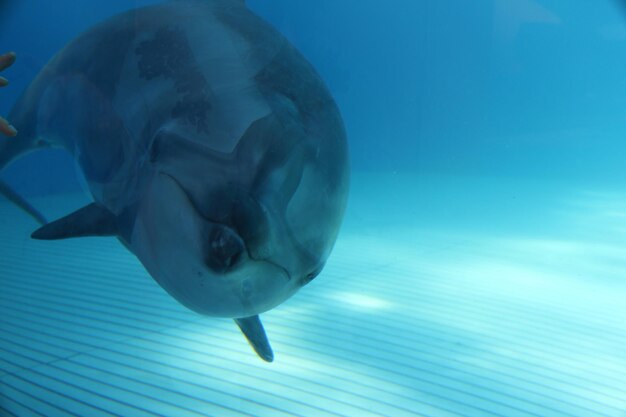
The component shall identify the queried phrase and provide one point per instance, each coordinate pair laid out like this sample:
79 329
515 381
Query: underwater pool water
480 268
430 305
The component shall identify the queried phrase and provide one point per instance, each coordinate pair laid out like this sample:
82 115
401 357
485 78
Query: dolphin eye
311 275
224 249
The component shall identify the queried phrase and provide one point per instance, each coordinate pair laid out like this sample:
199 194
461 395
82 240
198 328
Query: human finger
6 60
6 128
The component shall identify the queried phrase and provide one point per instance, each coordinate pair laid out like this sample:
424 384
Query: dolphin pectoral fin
91 220
253 329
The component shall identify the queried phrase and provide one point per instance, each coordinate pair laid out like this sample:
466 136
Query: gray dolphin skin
211 148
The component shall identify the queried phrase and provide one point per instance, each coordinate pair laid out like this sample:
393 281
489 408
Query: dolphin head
235 234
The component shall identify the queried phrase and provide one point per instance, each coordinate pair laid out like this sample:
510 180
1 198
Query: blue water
480 270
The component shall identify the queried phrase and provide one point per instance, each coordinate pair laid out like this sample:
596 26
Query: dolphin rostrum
211 148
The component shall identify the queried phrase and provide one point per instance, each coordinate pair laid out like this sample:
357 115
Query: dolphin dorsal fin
253 329
92 220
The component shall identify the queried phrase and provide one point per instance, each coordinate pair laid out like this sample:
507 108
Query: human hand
6 60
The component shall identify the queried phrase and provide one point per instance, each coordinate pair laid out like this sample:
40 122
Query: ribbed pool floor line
410 318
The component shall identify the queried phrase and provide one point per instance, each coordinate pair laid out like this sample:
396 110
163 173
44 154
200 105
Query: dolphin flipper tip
18 200
253 329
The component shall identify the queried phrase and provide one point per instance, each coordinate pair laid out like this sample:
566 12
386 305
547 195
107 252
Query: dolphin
211 149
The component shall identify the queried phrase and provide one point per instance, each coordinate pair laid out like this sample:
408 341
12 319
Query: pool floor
444 296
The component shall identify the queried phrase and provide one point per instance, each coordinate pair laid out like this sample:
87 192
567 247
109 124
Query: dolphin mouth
274 264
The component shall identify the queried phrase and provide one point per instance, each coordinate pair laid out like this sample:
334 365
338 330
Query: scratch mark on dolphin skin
168 55
194 110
